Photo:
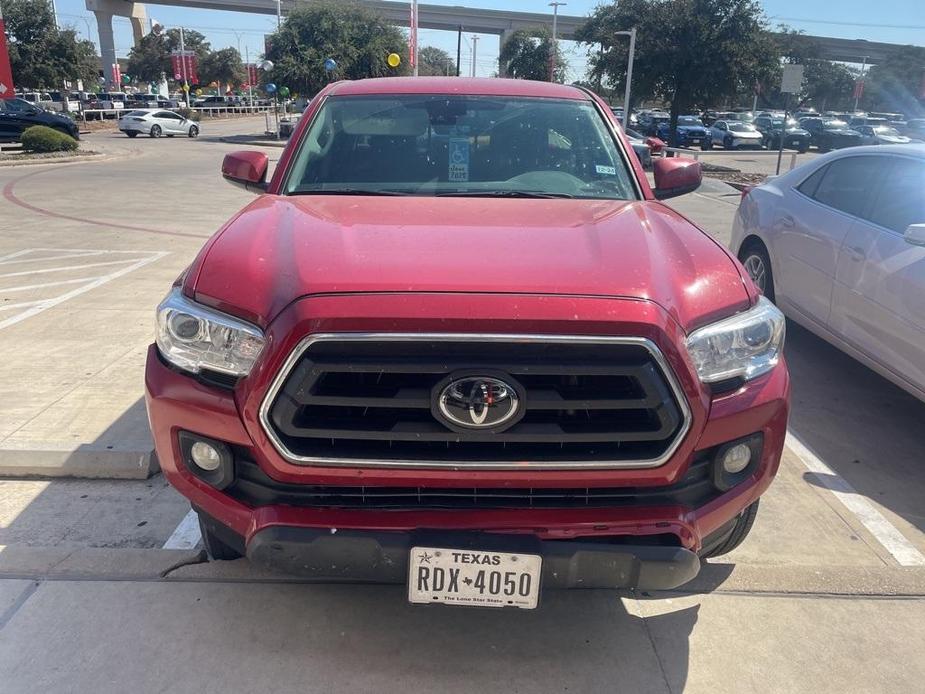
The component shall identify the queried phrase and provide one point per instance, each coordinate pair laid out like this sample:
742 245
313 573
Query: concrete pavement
94 249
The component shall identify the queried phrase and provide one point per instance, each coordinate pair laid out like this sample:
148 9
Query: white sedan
839 245
156 122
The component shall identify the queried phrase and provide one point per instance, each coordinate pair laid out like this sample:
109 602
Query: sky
891 21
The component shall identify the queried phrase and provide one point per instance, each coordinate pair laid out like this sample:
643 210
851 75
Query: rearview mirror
676 176
246 169
915 234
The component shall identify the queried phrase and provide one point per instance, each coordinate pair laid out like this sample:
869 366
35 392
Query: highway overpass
472 20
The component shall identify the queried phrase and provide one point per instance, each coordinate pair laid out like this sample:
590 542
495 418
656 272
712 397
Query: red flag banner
858 89
6 74
185 65
253 79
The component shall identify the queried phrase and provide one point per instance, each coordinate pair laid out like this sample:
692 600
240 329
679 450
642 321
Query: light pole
279 14
475 45
555 52
157 29
414 38
629 74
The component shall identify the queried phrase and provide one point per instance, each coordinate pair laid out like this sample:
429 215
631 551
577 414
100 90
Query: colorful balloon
284 92
394 60
270 88
330 64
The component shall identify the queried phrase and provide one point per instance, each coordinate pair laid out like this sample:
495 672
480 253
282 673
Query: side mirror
915 234
246 169
676 176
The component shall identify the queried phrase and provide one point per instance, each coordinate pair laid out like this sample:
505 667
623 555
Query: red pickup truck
457 342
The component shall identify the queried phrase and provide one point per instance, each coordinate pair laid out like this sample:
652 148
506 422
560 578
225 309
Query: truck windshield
432 145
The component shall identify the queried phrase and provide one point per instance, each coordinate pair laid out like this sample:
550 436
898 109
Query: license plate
795 143
473 578
695 140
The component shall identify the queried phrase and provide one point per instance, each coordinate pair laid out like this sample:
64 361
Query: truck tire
215 547
739 532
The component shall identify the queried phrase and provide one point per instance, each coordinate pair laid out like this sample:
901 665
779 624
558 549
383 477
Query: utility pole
183 66
555 46
475 44
279 14
459 50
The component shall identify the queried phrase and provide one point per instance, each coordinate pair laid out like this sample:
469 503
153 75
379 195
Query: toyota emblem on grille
479 402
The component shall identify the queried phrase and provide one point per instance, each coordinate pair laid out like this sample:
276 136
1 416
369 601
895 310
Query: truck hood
281 248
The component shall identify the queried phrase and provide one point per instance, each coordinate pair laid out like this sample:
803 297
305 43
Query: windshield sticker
459 159
606 170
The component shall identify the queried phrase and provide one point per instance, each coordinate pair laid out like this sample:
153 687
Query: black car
18 114
794 138
826 133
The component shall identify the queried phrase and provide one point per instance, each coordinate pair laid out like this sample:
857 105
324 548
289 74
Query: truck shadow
864 428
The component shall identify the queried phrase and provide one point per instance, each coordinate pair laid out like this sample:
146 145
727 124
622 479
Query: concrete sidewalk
97 620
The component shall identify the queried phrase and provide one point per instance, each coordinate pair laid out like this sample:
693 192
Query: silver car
736 135
839 245
157 122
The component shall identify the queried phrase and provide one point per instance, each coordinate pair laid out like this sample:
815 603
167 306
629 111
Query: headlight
195 338
746 345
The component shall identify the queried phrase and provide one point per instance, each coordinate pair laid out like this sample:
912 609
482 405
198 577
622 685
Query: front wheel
156 131
739 532
706 145
194 131
217 549
758 266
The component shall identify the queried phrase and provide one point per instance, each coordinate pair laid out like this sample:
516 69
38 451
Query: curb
85 461
76 159
254 142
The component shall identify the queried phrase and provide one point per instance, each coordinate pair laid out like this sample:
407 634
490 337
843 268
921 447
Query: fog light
206 457
734 460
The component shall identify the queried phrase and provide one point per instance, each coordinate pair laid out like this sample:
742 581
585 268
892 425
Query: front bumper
177 401
382 557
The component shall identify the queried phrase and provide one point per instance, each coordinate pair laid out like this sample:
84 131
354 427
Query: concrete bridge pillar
505 35
105 10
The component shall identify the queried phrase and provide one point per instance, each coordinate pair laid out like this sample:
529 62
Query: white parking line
186 535
885 532
34 308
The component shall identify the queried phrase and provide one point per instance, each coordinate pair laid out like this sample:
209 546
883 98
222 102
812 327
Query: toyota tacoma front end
458 343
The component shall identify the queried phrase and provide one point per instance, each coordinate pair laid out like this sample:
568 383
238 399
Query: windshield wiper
348 191
501 194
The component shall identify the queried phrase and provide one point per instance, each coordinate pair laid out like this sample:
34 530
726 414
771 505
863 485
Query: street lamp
629 74
555 52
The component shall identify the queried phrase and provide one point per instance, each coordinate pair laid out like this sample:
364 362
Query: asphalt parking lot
826 595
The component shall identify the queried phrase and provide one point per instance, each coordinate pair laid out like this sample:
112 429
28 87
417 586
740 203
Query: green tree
149 59
528 55
192 41
826 85
40 54
435 61
359 40
688 52
223 66
898 83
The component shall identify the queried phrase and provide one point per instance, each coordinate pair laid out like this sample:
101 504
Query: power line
849 24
